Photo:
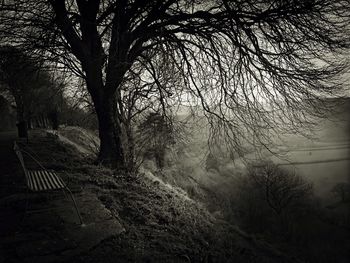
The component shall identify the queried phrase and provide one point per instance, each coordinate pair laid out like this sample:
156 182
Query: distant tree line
38 94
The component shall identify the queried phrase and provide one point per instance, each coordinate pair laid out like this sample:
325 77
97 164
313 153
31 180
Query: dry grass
162 224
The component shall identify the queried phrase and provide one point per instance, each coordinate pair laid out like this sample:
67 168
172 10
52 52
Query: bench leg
75 205
25 211
64 193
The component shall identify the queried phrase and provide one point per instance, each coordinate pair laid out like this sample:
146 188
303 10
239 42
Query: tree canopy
249 65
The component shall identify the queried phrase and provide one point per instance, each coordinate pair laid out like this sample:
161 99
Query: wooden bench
42 180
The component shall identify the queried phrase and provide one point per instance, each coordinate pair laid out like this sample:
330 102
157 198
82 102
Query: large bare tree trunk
111 149
87 48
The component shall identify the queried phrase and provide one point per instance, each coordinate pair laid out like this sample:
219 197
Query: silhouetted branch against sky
249 65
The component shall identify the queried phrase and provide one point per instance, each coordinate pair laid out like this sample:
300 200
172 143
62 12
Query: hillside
162 223
212 192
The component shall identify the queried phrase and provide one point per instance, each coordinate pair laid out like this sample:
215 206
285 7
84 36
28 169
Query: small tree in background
212 162
280 188
342 191
158 134
272 199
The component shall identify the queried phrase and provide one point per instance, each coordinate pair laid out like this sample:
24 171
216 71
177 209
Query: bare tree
18 72
280 188
342 191
34 89
160 133
248 64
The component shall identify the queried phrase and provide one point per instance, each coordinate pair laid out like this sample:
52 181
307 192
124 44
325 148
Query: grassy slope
162 224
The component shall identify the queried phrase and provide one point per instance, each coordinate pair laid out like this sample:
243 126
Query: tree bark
130 147
111 149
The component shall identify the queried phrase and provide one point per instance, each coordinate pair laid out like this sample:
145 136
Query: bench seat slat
54 180
48 180
41 180
34 181
29 180
45 181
